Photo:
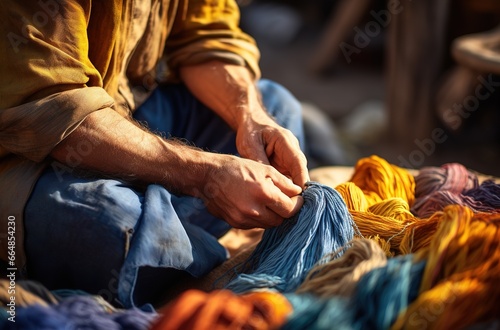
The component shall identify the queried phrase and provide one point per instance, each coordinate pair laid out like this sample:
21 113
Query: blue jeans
128 243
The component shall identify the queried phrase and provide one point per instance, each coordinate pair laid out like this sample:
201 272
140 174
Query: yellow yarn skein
353 196
380 180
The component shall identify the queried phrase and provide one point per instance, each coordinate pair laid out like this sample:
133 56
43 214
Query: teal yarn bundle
286 253
381 295
385 292
312 313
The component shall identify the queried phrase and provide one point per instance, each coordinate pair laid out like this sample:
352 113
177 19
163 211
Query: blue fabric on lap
100 232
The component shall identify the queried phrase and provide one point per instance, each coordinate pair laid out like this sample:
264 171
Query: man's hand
247 194
264 141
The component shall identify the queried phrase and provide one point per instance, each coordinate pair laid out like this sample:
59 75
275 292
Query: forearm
229 90
116 147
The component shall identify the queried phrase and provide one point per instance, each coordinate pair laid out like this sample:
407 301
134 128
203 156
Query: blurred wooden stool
479 52
476 54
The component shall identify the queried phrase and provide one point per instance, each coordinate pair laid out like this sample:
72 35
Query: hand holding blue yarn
286 253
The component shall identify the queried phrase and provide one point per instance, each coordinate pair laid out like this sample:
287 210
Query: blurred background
415 82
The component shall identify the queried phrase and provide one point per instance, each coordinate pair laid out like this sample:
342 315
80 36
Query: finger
287 208
284 184
300 172
299 202
283 205
252 216
295 168
266 218
292 160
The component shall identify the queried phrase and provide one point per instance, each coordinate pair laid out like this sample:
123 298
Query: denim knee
78 231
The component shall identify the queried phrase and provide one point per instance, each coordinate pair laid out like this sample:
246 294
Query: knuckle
237 217
250 213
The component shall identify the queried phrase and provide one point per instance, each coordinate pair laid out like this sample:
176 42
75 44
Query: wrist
254 116
185 169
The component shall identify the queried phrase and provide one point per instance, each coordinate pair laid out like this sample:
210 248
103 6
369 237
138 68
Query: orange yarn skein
223 309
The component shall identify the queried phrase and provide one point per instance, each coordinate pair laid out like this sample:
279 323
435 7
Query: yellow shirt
62 60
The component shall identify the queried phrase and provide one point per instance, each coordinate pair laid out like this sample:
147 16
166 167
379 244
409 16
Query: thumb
285 184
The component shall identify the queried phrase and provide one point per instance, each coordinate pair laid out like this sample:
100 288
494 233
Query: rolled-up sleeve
33 129
206 30
48 83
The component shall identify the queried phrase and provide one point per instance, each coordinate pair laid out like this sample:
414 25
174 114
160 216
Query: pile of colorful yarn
386 250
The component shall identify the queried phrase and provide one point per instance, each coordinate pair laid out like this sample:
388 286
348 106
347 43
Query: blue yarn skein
287 252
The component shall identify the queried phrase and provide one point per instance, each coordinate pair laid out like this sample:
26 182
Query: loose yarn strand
339 275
